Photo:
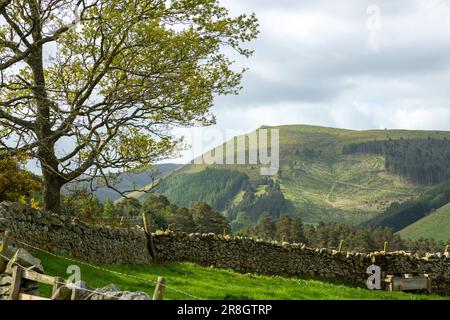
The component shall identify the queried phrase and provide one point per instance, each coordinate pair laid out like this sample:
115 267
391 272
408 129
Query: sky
355 65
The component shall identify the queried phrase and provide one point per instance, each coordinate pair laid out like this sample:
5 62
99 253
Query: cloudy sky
358 65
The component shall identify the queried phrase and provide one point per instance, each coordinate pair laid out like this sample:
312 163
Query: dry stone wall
65 235
104 245
272 258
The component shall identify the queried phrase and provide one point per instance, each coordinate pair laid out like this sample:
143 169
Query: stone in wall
69 236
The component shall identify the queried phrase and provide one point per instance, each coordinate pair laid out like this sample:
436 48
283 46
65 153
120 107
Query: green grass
434 226
214 284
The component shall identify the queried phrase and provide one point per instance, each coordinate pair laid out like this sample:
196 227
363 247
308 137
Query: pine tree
208 220
283 228
266 228
109 209
182 221
296 232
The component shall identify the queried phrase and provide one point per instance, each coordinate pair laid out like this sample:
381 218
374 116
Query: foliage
219 187
435 225
200 218
15 182
81 203
213 186
399 215
115 83
356 238
424 161
110 210
208 220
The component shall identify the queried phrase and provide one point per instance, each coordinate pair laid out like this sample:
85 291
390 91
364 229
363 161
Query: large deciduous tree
89 86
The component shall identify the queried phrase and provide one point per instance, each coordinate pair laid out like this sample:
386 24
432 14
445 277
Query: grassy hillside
214 284
435 226
132 181
320 182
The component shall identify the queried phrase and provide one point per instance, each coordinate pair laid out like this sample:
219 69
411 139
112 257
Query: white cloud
313 65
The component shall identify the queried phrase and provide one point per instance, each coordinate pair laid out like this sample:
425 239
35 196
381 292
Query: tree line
329 235
400 215
423 161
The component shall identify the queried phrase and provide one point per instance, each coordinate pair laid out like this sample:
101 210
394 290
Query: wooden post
15 283
3 249
429 288
150 244
160 288
446 252
385 249
341 245
59 282
146 223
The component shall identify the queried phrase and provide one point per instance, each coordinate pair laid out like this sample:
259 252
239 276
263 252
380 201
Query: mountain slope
318 181
133 181
434 226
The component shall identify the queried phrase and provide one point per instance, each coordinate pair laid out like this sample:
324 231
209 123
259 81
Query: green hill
435 226
317 180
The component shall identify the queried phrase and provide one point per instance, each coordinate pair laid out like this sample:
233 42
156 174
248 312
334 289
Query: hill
436 225
133 181
317 181
214 284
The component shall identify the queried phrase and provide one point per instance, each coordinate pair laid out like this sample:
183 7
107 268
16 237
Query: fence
11 267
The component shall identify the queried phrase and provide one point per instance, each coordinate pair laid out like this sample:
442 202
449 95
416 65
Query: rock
109 292
25 259
80 290
112 292
134 296
62 293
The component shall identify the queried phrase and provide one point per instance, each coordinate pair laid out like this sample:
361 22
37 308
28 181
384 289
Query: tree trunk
52 192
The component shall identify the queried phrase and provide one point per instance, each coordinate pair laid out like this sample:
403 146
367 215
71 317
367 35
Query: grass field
213 284
434 226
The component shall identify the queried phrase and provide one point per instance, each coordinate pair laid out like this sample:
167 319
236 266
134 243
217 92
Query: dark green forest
354 238
219 188
400 215
423 161
213 186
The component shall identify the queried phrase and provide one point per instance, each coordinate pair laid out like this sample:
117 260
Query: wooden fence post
160 288
15 283
341 245
3 249
59 282
385 249
447 252
150 245
146 222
